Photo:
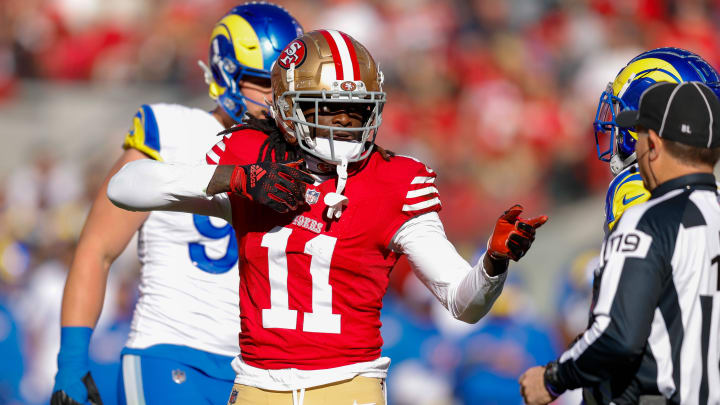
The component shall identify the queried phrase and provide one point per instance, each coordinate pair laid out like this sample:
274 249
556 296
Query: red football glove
512 235
276 185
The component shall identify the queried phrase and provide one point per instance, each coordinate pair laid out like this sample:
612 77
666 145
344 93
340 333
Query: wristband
550 378
73 363
74 344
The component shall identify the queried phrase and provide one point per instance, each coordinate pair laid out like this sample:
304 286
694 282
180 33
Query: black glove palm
61 398
276 185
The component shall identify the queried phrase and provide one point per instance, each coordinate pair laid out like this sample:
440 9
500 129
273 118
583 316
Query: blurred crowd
498 96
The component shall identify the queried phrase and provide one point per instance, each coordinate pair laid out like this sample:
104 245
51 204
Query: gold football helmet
321 67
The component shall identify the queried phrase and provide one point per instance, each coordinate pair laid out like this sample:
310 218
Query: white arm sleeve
467 292
149 185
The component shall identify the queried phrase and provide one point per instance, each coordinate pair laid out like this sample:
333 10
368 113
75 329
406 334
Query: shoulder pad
420 194
625 190
144 134
408 187
240 148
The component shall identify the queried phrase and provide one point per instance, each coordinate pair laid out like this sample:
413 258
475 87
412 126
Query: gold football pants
357 391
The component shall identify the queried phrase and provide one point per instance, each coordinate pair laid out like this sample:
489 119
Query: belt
642 400
652 400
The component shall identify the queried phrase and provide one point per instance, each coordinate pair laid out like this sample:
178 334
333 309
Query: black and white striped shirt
655 323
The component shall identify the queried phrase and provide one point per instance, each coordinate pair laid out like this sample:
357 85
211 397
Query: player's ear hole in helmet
617 145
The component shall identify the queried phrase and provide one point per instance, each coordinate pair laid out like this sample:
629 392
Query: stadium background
497 96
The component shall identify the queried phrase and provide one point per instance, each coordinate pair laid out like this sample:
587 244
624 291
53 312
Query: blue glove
73 383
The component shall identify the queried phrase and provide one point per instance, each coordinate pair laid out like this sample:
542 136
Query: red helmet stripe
335 54
353 56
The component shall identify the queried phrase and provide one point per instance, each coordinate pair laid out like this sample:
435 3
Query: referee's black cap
687 112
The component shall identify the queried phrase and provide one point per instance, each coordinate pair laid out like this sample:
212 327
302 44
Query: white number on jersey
279 315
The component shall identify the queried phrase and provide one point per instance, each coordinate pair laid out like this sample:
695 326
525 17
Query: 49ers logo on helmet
295 53
348 86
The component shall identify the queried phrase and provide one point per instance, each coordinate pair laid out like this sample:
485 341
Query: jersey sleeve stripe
214 155
421 205
588 338
423 179
212 158
422 191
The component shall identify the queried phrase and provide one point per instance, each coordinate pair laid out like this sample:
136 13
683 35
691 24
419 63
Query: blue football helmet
243 45
617 145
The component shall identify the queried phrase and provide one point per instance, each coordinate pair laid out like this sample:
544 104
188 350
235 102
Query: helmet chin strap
617 164
336 201
318 166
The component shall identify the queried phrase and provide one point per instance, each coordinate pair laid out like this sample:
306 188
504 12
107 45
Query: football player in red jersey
321 216
175 352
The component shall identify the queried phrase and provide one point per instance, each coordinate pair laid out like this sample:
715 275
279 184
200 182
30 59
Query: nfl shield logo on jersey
233 396
178 376
311 196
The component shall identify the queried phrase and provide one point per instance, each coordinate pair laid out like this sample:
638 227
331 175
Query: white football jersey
189 282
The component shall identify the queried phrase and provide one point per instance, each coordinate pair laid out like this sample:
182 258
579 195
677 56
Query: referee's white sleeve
468 292
149 185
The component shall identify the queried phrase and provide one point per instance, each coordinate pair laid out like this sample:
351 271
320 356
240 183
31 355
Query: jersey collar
702 181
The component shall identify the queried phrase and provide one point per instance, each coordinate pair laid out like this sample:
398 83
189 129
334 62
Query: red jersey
311 288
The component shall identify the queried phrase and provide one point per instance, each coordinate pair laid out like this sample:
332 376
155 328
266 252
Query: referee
654 336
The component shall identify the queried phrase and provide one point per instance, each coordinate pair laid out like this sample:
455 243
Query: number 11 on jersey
279 315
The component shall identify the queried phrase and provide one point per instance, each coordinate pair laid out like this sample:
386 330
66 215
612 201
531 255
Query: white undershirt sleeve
467 292
149 185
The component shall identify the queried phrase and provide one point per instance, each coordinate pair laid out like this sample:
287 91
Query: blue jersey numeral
197 250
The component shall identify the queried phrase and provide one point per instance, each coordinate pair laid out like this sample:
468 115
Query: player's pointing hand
513 236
